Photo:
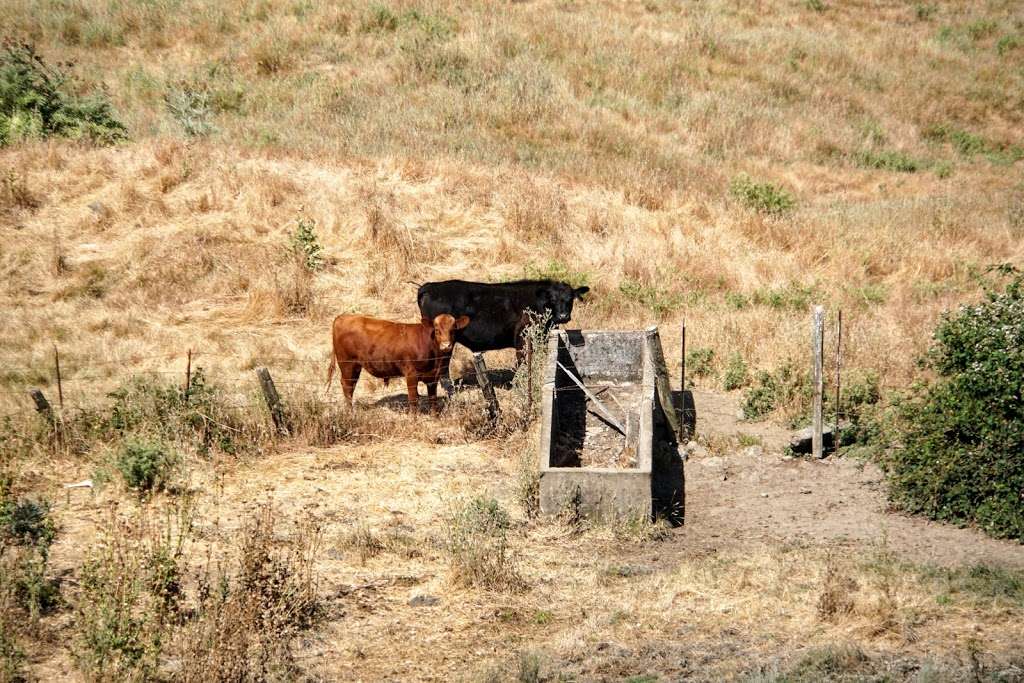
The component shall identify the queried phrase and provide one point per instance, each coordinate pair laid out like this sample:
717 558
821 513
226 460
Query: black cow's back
495 310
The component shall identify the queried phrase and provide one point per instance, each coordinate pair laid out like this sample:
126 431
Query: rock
713 461
423 600
753 451
764 495
801 442
696 450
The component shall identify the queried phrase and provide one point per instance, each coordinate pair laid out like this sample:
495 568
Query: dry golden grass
591 142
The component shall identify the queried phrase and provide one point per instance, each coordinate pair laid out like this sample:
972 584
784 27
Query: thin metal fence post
817 341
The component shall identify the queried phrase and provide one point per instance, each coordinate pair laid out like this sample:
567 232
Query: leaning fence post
486 388
188 373
273 400
60 387
817 350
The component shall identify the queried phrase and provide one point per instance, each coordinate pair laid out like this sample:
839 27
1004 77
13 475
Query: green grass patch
890 160
764 198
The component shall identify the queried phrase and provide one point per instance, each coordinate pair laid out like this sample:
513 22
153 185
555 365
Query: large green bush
960 452
37 101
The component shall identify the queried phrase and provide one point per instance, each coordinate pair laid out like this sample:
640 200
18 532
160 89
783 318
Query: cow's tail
330 371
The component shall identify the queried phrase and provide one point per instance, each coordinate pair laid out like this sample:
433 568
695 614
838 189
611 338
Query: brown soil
757 495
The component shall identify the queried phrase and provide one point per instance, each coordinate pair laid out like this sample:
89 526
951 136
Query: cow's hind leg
349 376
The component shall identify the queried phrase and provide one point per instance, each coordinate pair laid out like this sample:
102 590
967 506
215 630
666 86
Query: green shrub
305 244
761 197
191 108
960 437
146 466
794 297
659 301
889 161
38 100
557 270
1008 44
700 362
770 391
736 373
12 657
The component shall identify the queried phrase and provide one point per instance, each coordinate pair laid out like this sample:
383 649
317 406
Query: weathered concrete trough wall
585 461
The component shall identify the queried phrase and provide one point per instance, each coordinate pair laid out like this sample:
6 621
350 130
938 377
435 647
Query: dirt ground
758 495
604 608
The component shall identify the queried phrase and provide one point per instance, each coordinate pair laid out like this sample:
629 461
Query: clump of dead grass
477 546
537 211
246 623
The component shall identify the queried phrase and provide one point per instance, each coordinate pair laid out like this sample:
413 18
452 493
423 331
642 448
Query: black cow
498 312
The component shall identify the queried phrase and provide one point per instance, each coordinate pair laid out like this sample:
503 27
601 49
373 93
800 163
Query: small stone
753 451
423 601
764 495
805 490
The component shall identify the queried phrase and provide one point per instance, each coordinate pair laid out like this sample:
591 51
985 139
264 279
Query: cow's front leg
412 391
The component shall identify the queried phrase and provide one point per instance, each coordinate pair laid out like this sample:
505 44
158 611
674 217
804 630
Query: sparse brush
837 592
477 546
246 623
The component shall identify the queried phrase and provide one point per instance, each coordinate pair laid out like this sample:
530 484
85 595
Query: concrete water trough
608 431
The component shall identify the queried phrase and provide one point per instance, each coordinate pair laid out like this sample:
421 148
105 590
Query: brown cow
416 351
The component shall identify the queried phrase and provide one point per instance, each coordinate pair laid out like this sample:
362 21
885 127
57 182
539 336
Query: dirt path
756 495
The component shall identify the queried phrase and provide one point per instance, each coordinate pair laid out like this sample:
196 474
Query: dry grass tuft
478 549
536 211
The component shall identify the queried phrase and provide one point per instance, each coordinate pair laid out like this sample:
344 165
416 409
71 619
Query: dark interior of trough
586 437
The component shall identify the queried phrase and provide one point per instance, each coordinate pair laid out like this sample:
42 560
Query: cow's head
558 298
444 327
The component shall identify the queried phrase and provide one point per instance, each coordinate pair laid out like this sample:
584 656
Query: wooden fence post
682 357
60 387
484 382
839 362
188 373
273 401
817 341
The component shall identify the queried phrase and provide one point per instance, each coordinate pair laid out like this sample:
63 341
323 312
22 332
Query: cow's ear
460 322
580 291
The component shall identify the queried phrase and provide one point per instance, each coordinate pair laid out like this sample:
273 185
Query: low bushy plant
785 387
38 100
961 436
736 374
146 465
761 197
700 362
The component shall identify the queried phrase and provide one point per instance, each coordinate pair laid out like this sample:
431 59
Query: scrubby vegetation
37 100
960 437
278 163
